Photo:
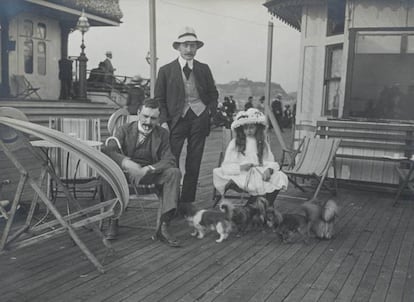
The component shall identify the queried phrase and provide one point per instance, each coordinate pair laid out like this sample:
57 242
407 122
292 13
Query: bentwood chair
143 194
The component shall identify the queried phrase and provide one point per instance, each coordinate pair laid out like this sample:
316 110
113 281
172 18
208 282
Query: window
41 49
381 81
28 46
28 28
336 17
41 58
41 31
28 56
332 79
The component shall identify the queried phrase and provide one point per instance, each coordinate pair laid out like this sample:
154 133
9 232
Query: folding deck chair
143 193
313 161
406 179
24 88
4 202
15 146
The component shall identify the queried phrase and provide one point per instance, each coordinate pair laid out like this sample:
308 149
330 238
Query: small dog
252 214
216 220
317 219
290 227
321 218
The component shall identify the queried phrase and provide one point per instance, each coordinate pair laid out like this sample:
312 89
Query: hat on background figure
187 34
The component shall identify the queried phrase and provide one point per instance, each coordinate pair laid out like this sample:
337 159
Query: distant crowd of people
285 115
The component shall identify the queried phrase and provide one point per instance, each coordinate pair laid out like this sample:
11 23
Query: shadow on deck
370 259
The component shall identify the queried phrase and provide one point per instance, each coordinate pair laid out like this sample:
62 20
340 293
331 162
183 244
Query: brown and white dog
211 219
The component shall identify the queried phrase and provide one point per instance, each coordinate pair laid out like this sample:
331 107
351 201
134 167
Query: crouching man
142 150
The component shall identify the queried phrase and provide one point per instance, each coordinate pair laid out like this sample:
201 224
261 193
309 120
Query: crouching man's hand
134 170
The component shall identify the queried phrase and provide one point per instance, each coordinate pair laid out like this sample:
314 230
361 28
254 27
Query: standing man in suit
188 97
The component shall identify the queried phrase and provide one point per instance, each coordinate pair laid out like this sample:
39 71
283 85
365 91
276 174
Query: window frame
353 32
328 78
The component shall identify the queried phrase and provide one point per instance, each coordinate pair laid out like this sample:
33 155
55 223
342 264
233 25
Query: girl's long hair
260 141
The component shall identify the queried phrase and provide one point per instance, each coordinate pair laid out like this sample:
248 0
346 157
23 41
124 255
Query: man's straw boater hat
187 34
250 116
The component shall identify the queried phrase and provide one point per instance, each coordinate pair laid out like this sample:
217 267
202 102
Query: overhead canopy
289 11
99 13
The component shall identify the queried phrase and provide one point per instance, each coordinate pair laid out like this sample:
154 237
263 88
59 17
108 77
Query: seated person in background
97 75
248 161
143 151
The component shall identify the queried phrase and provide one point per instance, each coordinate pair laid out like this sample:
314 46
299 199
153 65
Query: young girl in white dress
248 161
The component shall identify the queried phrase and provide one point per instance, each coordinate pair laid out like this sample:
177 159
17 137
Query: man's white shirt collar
183 62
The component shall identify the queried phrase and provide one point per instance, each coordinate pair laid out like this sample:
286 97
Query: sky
234 32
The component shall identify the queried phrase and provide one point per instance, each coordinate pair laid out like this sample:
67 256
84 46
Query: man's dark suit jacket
169 90
128 136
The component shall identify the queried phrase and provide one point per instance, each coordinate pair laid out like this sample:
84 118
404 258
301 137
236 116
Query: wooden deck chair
23 88
142 194
16 147
406 179
313 161
4 202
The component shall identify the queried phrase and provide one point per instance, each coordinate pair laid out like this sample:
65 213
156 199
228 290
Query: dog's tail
278 217
326 213
227 207
329 211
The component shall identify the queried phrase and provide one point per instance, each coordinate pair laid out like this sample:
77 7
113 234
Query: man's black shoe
163 236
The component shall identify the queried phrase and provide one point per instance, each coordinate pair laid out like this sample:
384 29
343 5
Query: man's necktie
187 71
142 137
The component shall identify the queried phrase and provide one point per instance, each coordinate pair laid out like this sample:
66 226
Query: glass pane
28 28
381 43
41 58
382 86
336 64
41 31
336 17
28 56
332 98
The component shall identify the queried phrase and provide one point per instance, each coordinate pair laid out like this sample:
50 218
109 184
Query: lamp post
83 27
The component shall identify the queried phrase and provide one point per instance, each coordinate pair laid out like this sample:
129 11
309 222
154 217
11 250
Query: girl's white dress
251 181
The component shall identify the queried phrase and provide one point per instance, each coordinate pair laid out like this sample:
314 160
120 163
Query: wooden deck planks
385 274
302 285
261 280
284 277
370 258
322 283
374 232
395 291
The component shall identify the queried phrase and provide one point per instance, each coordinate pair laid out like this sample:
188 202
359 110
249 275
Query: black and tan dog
251 215
313 219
